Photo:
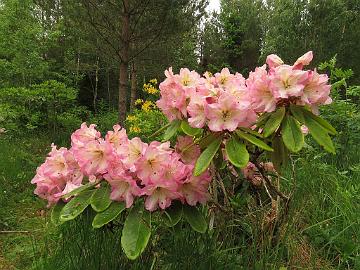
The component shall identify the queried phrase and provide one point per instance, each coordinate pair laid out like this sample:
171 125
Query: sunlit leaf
291 134
236 152
273 123
112 212
206 157
100 200
76 206
188 130
136 232
253 140
171 130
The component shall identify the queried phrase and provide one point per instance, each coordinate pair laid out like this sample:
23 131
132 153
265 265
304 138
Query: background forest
63 62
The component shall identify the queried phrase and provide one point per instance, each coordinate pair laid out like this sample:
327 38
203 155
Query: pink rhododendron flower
304 60
286 82
123 188
150 165
196 110
225 114
258 85
188 78
133 151
93 158
57 176
316 89
84 135
160 194
117 137
195 189
273 61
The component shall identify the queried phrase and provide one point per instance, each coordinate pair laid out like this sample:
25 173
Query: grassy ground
322 231
22 215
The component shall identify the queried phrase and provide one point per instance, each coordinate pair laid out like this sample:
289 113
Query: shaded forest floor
324 234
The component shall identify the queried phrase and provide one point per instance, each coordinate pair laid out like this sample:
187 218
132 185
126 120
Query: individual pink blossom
316 89
172 101
286 82
160 194
259 89
188 78
84 135
196 110
225 114
93 158
150 165
132 152
304 60
224 78
123 187
195 189
273 61
117 137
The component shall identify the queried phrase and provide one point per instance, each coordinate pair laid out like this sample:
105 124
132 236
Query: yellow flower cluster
148 105
150 87
131 118
139 101
135 129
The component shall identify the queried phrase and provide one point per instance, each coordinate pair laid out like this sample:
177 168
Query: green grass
321 230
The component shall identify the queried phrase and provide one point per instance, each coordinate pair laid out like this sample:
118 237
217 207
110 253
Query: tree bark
96 85
133 92
124 54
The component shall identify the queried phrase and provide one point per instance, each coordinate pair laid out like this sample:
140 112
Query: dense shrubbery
50 105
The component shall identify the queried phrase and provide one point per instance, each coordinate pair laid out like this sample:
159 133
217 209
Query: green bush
51 105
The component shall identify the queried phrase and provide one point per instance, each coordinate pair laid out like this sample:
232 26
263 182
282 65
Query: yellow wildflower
147 106
131 118
135 129
153 81
139 101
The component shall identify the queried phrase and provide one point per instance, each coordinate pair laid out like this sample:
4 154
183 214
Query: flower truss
222 117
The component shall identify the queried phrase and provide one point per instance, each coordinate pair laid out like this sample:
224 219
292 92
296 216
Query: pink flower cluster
131 167
226 101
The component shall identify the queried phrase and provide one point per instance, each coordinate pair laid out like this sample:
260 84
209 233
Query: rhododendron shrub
222 121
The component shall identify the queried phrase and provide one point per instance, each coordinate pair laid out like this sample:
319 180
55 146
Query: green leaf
252 132
325 124
55 213
253 140
262 119
297 112
236 152
206 157
108 215
171 130
79 190
291 134
280 155
188 130
136 232
194 217
320 134
207 140
100 200
274 122
173 214
76 206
